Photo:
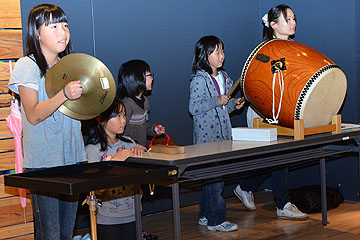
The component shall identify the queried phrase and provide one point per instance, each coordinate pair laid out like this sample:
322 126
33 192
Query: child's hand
137 151
141 147
122 155
73 90
159 129
239 103
223 100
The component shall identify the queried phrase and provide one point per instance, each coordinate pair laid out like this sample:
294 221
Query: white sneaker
291 212
203 221
247 198
224 227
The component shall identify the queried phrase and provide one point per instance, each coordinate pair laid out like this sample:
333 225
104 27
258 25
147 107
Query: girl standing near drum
279 23
210 108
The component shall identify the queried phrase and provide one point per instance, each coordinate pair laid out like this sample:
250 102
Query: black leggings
126 231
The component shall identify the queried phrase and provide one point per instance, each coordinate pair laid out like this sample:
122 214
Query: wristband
65 93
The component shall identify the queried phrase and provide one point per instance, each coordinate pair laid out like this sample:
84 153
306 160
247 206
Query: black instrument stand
82 178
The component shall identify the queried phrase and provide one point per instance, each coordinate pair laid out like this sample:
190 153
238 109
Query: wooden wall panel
11 44
4 70
27 237
12 213
4 113
5 100
6 191
7 160
4 130
7 145
10 15
4 87
16 230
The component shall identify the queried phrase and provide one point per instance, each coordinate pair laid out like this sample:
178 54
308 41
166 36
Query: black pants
126 231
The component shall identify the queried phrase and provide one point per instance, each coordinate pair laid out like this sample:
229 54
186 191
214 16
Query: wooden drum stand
299 131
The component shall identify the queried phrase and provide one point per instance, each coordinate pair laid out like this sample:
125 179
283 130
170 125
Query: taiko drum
314 86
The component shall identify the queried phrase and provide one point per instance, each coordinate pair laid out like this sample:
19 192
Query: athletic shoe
291 212
247 198
203 221
224 227
148 236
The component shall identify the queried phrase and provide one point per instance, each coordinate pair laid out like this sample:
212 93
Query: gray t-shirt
57 140
119 210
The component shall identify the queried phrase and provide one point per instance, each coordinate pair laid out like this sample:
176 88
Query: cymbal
96 80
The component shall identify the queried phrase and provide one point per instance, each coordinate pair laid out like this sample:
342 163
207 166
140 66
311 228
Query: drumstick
232 89
242 99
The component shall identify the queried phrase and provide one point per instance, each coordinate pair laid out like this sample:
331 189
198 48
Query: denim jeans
279 183
212 204
54 214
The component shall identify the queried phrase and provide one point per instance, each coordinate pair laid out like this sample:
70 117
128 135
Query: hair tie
65 93
265 20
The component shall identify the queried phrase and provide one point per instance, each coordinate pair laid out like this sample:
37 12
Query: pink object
15 125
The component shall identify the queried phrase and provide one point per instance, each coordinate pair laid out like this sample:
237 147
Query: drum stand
299 131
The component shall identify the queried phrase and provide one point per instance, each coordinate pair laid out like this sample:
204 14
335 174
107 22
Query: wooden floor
343 223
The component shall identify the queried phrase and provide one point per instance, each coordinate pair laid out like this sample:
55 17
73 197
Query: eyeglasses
149 75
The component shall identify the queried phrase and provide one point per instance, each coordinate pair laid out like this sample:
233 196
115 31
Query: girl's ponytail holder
265 20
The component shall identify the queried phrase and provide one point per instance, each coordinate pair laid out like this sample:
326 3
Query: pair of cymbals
98 85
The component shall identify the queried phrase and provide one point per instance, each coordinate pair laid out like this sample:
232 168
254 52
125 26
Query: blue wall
164 34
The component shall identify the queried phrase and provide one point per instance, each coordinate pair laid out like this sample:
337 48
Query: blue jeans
279 185
212 204
54 215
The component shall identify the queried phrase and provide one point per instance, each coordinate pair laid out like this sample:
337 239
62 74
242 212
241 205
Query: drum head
323 98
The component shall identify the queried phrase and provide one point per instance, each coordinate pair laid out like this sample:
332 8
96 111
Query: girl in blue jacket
210 108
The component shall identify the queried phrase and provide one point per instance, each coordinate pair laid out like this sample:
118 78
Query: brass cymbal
96 80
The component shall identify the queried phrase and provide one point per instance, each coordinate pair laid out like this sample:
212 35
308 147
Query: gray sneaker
203 221
224 227
247 198
291 212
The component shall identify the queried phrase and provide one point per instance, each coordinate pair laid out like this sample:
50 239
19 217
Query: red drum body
314 86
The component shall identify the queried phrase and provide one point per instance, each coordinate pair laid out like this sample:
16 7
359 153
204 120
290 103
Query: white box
254 134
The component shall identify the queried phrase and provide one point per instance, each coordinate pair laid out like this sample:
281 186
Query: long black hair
273 16
39 15
203 48
132 78
97 133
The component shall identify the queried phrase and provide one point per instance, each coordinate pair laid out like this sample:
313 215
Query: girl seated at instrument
210 108
279 23
134 83
116 216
